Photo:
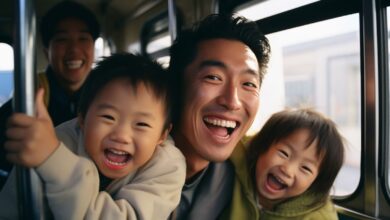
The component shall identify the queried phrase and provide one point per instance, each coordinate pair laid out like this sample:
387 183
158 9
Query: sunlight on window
269 8
160 42
6 72
101 49
7 57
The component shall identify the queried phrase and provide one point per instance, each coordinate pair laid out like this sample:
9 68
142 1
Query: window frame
372 196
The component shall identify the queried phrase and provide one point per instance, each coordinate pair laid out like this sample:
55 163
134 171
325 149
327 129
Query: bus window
318 66
6 72
160 42
269 8
102 49
164 61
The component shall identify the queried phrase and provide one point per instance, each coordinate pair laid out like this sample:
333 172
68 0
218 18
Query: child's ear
165 134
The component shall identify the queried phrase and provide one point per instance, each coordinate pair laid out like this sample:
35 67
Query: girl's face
287 169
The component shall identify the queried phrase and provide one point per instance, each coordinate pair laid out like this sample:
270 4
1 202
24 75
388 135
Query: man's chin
218 157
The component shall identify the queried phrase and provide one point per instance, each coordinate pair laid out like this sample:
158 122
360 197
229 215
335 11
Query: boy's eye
109 117
143 124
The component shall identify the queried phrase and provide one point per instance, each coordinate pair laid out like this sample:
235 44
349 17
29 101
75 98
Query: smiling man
218 67
68 31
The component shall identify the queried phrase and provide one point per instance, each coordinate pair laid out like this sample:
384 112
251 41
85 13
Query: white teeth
119 152
116 163
280 180
221 123
74 64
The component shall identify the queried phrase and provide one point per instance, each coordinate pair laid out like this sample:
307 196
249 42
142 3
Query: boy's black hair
216 26
330 147
135 69
63 10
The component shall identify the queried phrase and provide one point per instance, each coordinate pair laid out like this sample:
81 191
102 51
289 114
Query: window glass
102 49
318 66
159 42
6 72
268 8
164 61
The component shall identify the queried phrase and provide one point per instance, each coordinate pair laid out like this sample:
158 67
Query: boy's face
71 53
287 169
122 128
221 99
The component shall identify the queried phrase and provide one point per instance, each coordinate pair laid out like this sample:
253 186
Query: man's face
221 99
71 53
122 127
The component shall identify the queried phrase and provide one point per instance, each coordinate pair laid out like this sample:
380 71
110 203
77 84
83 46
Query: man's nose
230 97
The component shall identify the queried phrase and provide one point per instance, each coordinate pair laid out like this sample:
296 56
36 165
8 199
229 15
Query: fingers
20 120
18 153
40 107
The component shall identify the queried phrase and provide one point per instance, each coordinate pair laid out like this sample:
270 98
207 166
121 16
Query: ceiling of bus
123 8
127 9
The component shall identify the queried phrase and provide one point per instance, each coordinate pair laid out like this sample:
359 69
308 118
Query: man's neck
195 163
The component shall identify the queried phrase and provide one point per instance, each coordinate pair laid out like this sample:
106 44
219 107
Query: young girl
290 165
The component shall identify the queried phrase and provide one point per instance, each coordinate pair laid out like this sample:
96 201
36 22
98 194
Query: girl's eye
283 153
307 169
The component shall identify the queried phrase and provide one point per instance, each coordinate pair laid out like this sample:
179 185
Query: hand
31 140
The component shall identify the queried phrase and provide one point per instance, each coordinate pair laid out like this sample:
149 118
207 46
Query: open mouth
221 127
74 64
275 183
117 158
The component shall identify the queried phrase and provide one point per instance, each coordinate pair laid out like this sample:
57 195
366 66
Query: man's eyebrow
64 30
216 63
210 63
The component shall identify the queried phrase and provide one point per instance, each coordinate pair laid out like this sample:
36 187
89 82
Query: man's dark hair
329 147
215 26
133 68
63 10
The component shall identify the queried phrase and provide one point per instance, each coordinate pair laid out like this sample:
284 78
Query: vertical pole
172 19
29 187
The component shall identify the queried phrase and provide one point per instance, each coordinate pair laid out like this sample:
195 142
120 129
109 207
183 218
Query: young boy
289 168
118 144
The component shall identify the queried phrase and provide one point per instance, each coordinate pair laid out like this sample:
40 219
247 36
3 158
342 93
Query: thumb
40 107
